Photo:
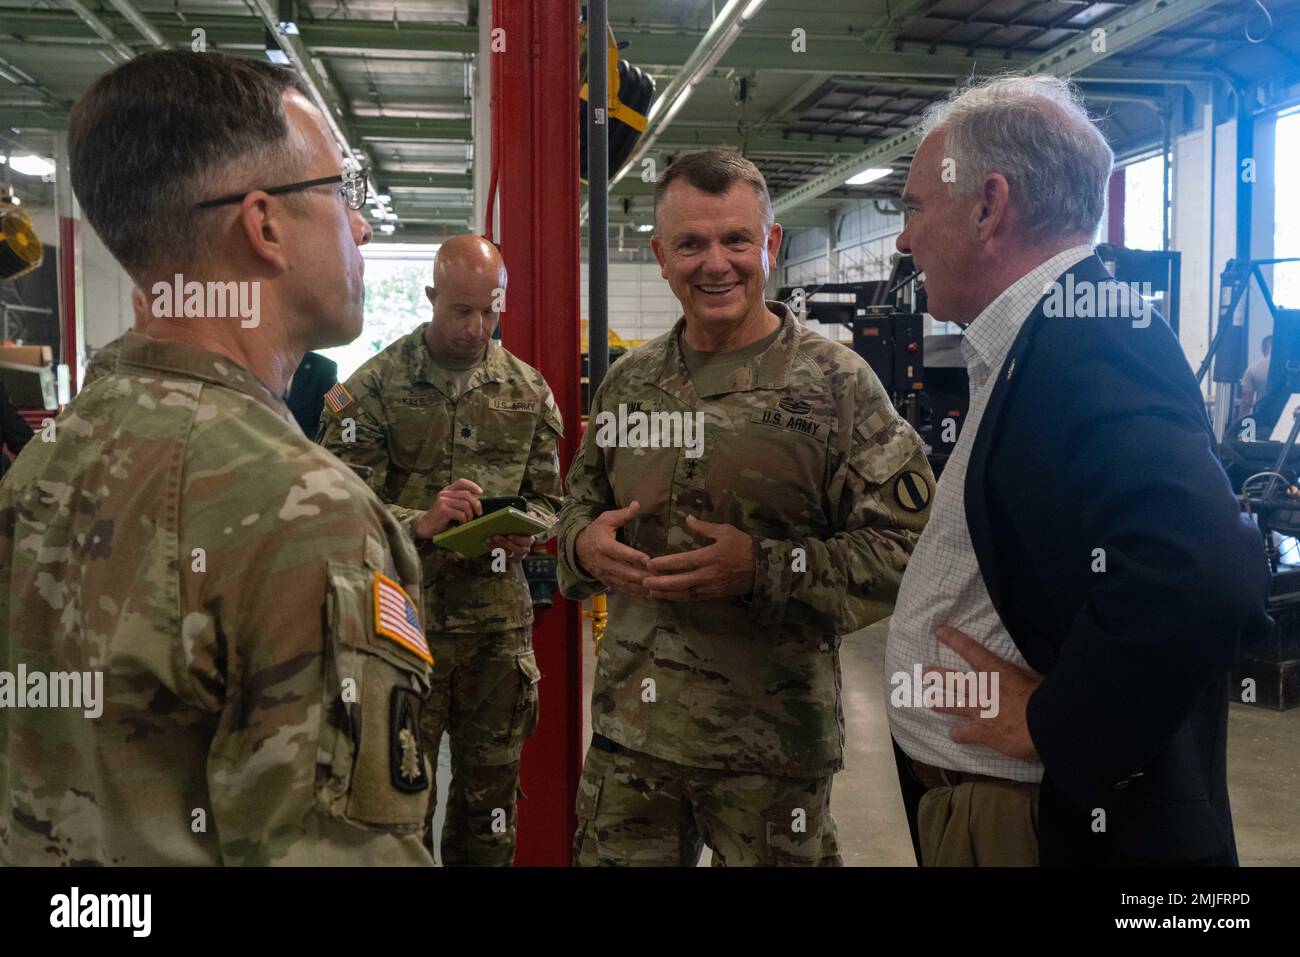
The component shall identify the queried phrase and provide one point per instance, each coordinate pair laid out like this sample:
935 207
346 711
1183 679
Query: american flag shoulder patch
338 398
396 618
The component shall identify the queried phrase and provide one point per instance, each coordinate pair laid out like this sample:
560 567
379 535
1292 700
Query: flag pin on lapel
1010 369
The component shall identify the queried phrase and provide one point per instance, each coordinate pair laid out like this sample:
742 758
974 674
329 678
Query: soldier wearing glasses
247 603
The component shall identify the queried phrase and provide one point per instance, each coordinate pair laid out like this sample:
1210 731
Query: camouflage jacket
177 535
805 453
501 433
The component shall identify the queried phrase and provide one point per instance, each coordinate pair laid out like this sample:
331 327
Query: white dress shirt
943 584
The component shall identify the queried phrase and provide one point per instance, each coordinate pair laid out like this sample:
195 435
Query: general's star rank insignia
405 757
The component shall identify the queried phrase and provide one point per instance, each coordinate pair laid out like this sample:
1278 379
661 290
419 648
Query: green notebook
470 539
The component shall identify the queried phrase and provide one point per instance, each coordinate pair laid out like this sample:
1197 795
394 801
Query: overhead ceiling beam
319 35
388 128
1124 29
835 53
21 78
407 180
319 85
400 128
1129 26
756 144
795 100
890 26
101 29
726 28
139 21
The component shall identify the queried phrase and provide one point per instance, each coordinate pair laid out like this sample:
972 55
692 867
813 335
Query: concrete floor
1263 769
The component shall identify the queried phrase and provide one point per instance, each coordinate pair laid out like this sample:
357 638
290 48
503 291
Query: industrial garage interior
473 117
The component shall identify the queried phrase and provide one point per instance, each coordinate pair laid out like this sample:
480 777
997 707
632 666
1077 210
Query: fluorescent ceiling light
867 176
644 228
32 165
387 228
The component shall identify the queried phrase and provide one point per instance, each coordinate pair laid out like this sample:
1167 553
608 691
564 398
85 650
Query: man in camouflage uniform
236 589
736 559
444 417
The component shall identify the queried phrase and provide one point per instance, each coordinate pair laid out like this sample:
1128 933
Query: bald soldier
211 621
746 494
445 417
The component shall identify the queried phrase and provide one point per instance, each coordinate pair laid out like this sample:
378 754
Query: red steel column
535 148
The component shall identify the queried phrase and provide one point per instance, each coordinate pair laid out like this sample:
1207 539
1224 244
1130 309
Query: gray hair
1036 132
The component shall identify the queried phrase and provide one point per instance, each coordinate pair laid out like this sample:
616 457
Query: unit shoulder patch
406 767
912 491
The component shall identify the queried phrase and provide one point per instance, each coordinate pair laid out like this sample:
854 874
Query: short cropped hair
1036 132
714 172
171 128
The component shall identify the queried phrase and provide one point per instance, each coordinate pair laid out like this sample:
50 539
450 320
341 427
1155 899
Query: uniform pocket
527 710
371 765
413 424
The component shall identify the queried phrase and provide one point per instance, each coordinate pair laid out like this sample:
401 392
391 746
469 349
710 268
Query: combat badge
912 491
405 759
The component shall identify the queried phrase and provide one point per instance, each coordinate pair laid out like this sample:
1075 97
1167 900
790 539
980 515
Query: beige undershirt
711 372
454 375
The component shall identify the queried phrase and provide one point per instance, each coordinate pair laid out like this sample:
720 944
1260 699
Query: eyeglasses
353 189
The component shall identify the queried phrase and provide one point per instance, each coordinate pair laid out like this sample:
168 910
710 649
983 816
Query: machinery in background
1265 473
631 91
1227 350
887 319
925 376
20 251
1158 275
1264 470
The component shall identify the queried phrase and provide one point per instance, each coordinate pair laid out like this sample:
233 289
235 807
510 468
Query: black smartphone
503 501
498 503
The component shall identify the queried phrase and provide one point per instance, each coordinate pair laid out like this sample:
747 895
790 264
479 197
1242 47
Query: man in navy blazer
1085 560
314 376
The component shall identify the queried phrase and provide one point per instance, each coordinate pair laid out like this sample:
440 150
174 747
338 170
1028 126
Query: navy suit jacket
1095 447
314 376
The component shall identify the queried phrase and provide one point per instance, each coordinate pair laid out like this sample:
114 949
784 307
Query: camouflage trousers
484 695
634 809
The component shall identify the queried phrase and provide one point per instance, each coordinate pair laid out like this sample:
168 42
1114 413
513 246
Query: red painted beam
535 150
69 264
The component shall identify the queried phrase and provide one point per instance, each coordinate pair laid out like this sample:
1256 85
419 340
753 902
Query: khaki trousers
972 820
